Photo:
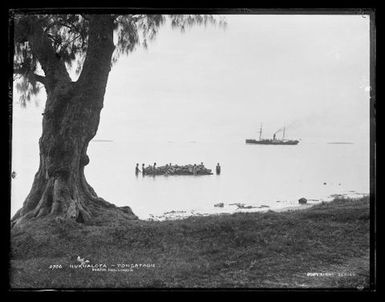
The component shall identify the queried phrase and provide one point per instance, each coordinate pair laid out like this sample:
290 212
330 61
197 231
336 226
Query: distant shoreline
340 143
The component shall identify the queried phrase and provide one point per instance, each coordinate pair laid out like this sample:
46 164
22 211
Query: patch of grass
240 250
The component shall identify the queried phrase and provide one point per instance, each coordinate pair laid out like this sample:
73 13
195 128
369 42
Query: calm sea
269 177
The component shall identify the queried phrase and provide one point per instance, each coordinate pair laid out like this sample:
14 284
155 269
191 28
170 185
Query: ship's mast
283 135
260 132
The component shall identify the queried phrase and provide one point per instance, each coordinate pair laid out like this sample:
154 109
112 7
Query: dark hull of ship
271 142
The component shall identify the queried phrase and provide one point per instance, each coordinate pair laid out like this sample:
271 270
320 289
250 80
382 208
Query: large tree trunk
70 121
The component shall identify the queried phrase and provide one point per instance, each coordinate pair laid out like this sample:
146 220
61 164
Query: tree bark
70 121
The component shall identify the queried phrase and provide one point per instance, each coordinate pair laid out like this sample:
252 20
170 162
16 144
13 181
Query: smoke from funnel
279 130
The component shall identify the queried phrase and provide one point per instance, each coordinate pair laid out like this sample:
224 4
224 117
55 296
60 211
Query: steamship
274 140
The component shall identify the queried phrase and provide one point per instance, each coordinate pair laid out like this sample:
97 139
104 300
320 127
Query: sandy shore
176 215
296 208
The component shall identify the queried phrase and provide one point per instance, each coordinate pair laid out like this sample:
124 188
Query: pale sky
212 84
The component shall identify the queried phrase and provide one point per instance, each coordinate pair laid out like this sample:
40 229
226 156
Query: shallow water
274 176
253 175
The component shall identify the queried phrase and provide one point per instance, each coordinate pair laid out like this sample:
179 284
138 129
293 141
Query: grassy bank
330 241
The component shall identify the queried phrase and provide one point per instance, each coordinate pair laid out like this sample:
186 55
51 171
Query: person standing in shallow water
137 169
154 171
218 169
143 170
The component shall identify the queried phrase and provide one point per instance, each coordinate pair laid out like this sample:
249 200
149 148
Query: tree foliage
67 36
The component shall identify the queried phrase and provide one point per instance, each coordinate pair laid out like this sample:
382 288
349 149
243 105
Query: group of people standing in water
170 169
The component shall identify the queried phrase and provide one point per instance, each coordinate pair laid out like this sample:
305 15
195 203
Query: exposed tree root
63 199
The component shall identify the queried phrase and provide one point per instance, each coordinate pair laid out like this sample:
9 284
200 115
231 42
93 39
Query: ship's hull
271 142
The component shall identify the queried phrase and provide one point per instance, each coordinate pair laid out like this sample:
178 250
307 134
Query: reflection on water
252 175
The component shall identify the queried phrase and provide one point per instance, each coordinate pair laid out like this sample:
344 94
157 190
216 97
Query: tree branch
39 78
69 42
36 77
53 67
97 64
